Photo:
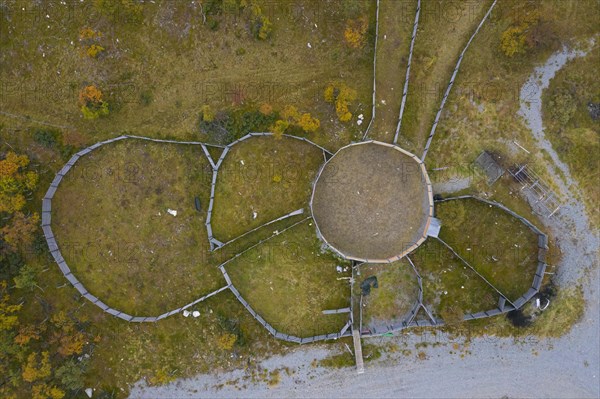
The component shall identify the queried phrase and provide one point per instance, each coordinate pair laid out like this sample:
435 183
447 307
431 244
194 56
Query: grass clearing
111 222
570 127
396 19
289 282
393 299
450 288
433 63
265 176
566 309
157 71
498 246
480 112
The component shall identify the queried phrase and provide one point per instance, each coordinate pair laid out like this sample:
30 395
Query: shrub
513 41
261 26
92 103
518 318
94 50
562 106
48 138
356 32
342 95
146 98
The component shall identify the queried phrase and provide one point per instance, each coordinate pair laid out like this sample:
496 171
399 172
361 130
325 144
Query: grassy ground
264 175
450 288
433 62
289 281
111 223
395 28
496 244
566 309
480 112
160 67
569 126
394 298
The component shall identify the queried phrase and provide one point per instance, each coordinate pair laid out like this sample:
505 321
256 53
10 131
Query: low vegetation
496 244
262 179
571 107
396 292
290 272
450 288
111 221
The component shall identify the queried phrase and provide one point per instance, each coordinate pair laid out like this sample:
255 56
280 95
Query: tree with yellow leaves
342 95
45 391
92 102
15 180
226 341
8 318
35 368
20 231
308 123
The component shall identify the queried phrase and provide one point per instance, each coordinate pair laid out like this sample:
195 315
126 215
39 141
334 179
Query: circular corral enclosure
372 202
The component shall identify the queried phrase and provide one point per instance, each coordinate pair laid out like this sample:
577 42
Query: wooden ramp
360 366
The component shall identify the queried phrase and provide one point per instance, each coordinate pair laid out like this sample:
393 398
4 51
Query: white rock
361 116
242 162
172 212
339 269
359 122
254 215
195 313
308 44
186 313
89 392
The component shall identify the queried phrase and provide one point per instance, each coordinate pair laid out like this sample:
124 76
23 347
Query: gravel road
568 367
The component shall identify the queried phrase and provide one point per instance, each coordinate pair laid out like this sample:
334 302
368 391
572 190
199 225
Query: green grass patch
266 177
111 222
497 245
345 359
450 288
433 63
564 311
289 282
395 30
569 125
397 292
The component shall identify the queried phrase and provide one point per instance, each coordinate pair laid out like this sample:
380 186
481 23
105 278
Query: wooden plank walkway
360 366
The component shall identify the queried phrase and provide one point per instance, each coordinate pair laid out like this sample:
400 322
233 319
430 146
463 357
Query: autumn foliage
341 95
356 32
290 116
92 102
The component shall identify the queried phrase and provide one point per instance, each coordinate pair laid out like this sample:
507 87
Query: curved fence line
410 53
425 227
503 306
542 247
277 334
57 255
456 68
374 71
212 240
